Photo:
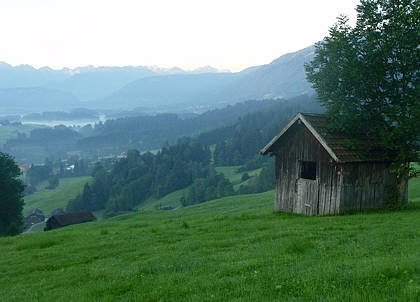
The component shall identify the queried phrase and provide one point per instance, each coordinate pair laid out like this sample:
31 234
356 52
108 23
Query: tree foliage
37 174
140 176
241 142
53 182
211 187
367 77
189 163
11 197
263 182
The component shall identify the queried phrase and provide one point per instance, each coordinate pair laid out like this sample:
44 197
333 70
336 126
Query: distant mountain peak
163 70
152 86
178 70
4 65
208 69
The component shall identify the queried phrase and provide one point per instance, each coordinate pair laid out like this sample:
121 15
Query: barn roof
36 212
73 218
336 145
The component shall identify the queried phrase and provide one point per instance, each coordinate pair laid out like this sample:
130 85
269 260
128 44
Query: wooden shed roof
336 145
73 218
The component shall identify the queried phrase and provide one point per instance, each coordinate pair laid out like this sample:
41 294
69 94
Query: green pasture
172 200
235 177
231 249
49 200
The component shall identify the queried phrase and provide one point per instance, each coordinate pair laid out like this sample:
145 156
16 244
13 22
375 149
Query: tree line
114 136
134 179
190 163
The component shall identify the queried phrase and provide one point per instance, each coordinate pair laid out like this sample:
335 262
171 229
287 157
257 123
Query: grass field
172 200
414 190
231 249
414 187
234 177
228 171
49 200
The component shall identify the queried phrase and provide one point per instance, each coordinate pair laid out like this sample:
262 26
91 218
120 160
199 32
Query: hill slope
234 248
282 78
49 200
22 100
174 91
101 81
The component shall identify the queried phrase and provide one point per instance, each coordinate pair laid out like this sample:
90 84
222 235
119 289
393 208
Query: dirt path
32 226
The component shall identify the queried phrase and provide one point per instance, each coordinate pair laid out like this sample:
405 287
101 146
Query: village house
319 173
24 168
34 216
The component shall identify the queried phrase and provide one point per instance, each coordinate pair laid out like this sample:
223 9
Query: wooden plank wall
338 187
366 185
323 194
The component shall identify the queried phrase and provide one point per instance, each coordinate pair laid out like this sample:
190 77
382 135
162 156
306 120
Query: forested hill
115 136
190 163
151 132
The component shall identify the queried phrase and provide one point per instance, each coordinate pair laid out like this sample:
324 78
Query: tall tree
367 78
11 197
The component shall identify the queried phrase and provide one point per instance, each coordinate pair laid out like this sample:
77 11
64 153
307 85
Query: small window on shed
308 170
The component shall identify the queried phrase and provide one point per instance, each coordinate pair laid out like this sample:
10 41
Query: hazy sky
226 34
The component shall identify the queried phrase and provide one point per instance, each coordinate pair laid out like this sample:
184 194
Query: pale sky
225 34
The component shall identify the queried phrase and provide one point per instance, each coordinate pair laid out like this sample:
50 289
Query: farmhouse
319 173
35 216
58 221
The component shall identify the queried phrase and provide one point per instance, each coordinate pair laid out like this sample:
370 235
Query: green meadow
49 200
231 249
170 201
235 177
69 188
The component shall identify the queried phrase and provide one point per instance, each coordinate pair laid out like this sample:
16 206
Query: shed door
307 197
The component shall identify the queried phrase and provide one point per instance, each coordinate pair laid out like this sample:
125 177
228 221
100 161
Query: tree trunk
402 180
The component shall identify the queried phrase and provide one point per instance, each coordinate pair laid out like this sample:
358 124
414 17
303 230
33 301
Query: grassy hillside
233 248
49 200
173 200
234 177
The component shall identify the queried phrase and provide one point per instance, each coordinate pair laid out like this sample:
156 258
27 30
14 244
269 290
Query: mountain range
24 88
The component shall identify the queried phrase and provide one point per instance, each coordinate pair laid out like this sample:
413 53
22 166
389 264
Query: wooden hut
58 221
319 173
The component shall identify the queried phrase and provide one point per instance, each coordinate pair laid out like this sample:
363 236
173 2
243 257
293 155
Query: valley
285 168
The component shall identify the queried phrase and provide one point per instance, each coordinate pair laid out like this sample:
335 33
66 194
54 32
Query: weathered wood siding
337 188
366 185
311 197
